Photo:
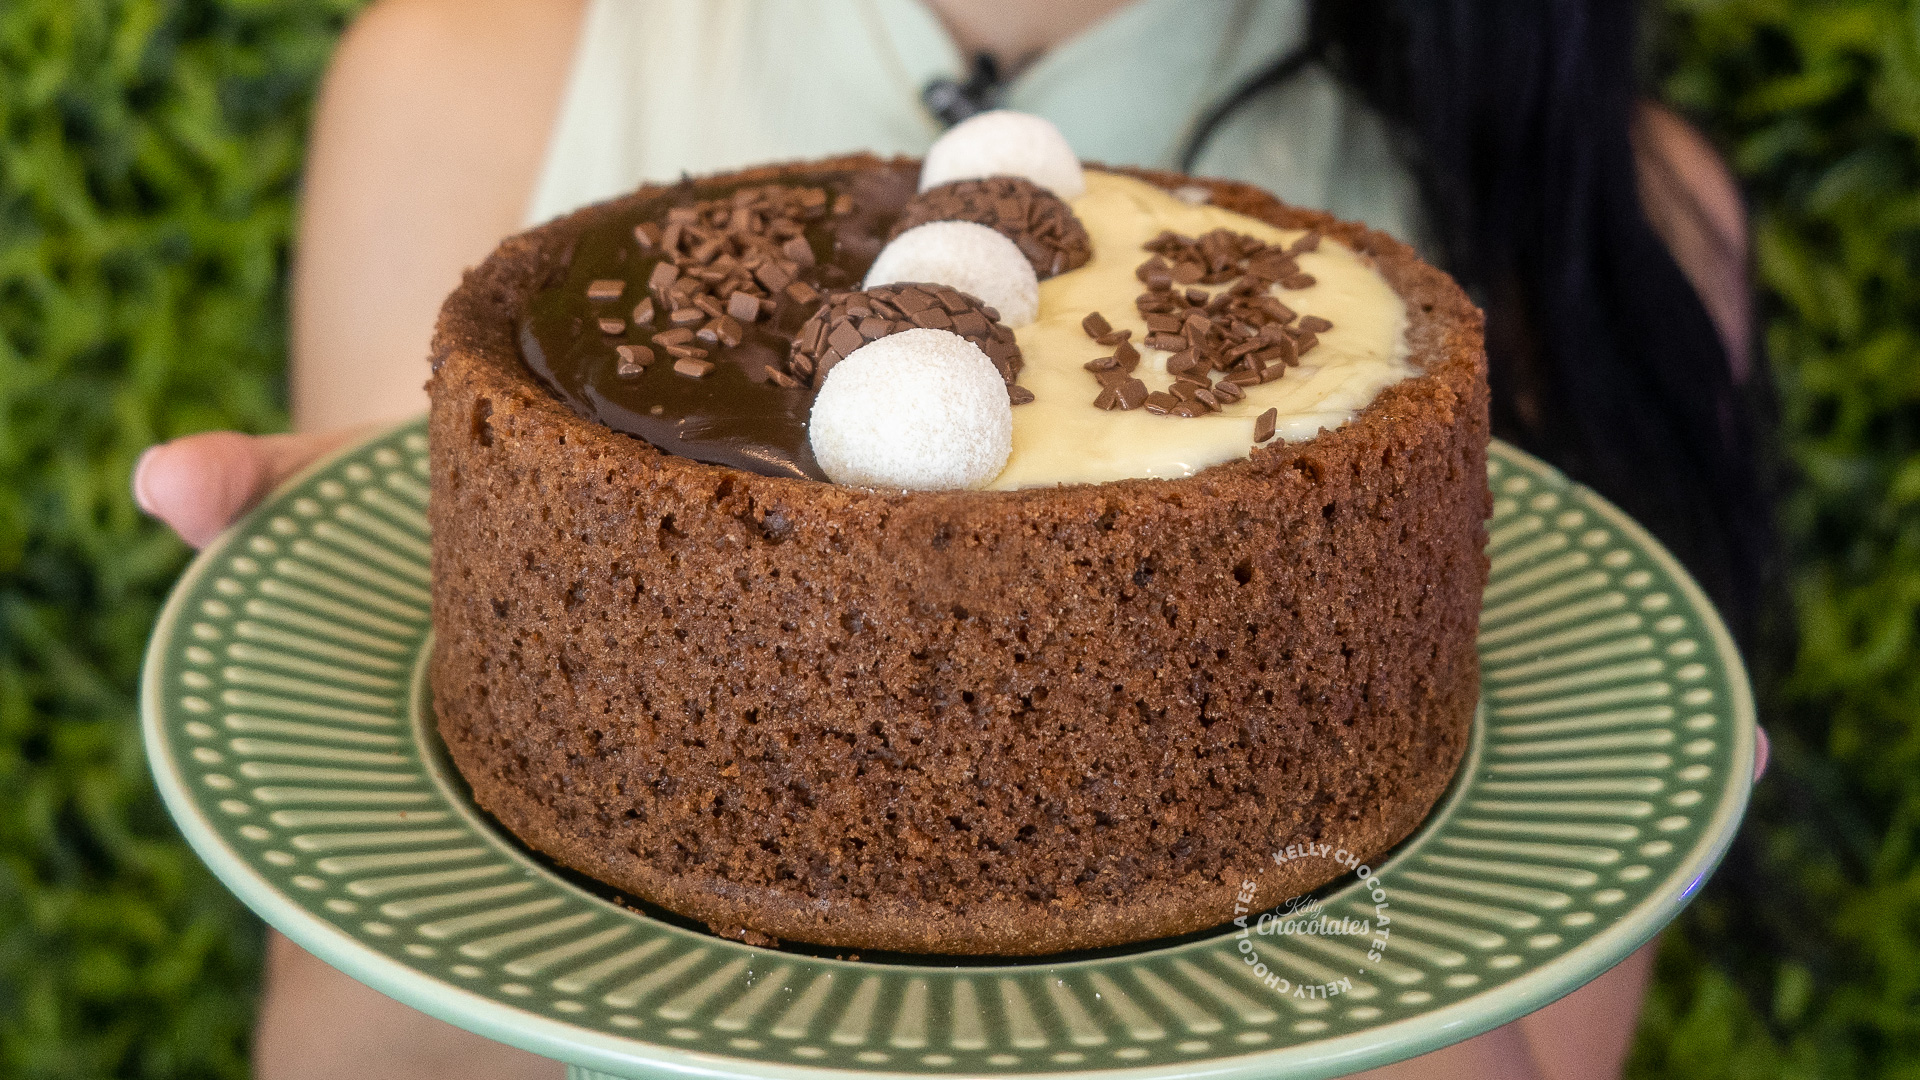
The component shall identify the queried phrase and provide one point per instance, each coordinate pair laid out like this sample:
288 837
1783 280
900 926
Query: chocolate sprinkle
1263 427
1240 333
744 306
1042 226
849 320
633 360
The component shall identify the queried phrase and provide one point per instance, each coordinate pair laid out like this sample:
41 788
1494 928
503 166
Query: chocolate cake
670 655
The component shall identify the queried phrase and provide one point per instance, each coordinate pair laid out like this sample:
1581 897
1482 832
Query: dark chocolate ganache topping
674 322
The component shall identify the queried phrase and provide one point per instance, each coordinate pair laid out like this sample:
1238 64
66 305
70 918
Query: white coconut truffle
921 409
972 258
1005 143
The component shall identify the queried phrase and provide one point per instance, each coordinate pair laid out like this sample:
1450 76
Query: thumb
199 484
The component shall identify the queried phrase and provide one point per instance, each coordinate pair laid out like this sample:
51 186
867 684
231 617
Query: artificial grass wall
1804 957
148 157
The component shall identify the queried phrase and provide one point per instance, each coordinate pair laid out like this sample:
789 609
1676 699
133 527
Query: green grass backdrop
149 153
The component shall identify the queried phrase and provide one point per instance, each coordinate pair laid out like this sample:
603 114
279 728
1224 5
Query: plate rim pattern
590 1048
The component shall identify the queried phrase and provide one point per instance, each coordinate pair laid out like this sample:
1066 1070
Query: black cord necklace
952 101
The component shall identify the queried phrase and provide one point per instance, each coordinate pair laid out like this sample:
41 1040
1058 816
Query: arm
428 138
429 134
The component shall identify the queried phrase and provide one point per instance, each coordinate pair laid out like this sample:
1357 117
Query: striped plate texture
285 715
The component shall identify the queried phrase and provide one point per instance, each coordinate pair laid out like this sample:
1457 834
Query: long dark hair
1516 116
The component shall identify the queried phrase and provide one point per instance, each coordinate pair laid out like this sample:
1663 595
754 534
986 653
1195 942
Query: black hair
1516 116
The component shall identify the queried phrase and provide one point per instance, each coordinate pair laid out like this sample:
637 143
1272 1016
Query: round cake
1057 710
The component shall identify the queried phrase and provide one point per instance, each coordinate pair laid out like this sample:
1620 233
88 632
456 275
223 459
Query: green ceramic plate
286 715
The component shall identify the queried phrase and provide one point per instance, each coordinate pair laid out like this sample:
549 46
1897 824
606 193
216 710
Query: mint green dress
661 88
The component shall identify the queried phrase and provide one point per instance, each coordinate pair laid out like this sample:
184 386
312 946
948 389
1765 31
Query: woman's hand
315 1023
200 484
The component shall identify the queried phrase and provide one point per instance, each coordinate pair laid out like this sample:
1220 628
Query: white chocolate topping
1061 438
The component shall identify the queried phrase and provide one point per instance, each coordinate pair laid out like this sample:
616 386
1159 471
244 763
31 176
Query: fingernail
140 497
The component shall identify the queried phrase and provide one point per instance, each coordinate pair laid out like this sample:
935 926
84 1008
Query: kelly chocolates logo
1367 929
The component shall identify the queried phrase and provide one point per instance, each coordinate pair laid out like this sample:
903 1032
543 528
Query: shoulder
459 55
456 33
1694 204
448 100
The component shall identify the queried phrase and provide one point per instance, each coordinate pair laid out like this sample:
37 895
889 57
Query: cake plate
286 716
